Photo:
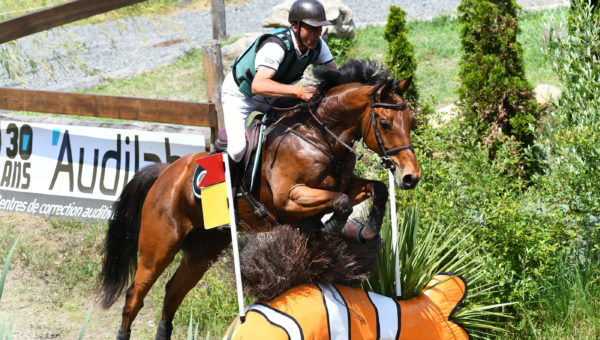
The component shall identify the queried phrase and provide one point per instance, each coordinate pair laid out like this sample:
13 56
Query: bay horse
307 171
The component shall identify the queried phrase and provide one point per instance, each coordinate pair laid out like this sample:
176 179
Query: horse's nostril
408 180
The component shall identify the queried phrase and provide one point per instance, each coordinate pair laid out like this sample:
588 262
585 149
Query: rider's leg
235 113
236 109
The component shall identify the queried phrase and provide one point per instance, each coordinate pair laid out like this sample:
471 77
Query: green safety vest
290 70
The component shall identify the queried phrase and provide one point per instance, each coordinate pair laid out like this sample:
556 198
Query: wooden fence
162 111
151 110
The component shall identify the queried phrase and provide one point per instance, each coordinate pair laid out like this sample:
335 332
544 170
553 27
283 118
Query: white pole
394 220
234 240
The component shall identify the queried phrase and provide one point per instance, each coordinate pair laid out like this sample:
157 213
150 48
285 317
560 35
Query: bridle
387 162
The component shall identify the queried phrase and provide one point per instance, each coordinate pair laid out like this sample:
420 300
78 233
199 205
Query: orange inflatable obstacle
326 311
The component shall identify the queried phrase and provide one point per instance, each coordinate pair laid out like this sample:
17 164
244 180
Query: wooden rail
152 110
55 16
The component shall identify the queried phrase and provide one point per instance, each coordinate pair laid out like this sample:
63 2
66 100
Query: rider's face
309 35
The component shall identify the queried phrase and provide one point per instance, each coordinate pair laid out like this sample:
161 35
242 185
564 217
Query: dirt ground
42 307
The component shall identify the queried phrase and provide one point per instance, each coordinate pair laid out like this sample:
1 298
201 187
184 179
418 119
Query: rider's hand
308 93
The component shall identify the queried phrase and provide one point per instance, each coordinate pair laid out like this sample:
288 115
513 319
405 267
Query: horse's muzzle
407 181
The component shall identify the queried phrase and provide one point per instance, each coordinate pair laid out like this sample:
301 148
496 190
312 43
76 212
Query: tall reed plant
426 253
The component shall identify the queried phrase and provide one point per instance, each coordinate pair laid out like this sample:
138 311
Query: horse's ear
386 89
402 85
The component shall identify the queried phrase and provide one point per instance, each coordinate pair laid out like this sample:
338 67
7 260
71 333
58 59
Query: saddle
251 159
247 182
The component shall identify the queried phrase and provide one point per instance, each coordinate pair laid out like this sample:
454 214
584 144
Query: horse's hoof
359 230
164 330
123 335
333 225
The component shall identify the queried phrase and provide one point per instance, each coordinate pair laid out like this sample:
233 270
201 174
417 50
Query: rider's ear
402 85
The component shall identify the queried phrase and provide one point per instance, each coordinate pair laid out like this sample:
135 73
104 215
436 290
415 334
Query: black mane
366 72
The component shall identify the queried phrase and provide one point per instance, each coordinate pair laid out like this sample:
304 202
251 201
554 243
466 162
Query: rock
339 14
230 52
545 94
443 115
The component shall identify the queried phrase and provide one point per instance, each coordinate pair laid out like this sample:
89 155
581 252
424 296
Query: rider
269 67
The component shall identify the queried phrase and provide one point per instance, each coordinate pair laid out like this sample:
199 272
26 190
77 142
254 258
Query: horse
307 171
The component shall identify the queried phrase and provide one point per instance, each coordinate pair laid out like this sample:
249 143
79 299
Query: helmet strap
301 45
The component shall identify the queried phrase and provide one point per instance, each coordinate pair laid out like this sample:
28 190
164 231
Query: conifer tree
400 54
495 97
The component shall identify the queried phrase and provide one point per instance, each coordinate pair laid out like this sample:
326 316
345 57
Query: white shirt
271 55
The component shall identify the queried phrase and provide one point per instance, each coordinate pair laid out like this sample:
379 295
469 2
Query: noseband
385 153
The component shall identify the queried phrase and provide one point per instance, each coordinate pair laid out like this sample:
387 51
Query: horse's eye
385 125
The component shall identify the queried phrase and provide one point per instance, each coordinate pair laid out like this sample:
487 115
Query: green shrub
340 49
495 97
572 138
400 53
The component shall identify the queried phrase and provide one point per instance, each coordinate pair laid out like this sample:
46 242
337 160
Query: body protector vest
290 70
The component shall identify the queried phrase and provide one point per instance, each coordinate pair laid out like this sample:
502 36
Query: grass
182 80
571 306
6 325
437 52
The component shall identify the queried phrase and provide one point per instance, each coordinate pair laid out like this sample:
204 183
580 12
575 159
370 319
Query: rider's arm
264 85
332 65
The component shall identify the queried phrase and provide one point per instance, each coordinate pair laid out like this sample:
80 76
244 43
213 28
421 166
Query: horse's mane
366 72
275 261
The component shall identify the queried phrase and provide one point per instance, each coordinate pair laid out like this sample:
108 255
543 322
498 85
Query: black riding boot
235 172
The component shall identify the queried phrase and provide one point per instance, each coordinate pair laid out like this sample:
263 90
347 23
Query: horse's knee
380 193
342 207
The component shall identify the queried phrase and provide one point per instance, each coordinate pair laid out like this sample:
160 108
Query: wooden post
217 11
213 73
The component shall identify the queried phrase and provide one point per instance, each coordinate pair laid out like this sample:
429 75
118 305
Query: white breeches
236 108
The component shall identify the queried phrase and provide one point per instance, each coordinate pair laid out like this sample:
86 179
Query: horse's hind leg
155 254
200 249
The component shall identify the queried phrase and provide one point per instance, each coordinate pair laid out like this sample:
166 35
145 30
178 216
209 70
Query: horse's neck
341 111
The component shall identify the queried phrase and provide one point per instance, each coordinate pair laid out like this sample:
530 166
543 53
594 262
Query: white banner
78 171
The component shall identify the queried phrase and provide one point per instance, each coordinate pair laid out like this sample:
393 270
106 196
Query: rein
358 155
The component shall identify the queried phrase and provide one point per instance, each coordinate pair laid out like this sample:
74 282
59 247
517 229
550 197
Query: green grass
182 80
437 52
570 308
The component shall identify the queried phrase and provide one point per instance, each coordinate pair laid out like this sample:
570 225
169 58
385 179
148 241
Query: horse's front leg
303 201
359 190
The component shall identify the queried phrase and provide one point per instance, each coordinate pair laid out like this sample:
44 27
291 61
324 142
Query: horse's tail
120 245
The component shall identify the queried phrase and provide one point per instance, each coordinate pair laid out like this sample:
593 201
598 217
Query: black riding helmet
310 12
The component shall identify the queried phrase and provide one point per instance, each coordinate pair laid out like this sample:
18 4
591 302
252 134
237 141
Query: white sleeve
269 55
325 55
